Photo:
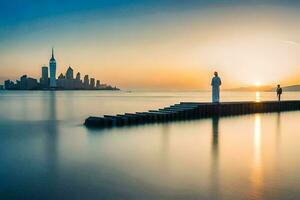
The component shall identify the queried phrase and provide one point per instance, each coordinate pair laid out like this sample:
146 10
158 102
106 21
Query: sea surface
47 153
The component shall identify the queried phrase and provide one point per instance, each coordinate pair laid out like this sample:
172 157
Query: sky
146 44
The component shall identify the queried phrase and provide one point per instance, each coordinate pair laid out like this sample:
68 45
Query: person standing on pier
279 92
215 83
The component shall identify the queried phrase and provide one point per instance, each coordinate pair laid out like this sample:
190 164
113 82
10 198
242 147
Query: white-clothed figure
215 83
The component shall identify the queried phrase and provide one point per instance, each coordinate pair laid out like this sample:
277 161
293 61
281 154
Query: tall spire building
52 64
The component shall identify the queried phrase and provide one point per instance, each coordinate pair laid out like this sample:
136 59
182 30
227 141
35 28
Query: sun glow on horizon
257 84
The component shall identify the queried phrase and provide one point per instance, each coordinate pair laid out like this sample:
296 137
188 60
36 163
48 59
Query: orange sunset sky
139 47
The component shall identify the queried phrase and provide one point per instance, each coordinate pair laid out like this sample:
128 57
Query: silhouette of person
215 83
279 92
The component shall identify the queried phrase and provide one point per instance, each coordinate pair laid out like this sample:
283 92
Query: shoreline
109 89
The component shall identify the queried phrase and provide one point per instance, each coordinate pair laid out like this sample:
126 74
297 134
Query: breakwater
190 110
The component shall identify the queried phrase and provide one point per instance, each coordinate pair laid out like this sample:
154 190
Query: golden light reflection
257 138
256 175
257 96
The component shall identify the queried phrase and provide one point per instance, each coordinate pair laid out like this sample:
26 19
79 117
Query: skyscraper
92 83
70 82
98 84
23 82
61 82
52 64
44 79
69 73
78 76
86 82
78 84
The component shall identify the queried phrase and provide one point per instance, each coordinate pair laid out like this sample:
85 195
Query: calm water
46 153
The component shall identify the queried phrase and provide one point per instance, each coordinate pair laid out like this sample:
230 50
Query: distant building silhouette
32 84
23 82
69 82
86 82
92 83
9 85
52 64
98 84
61 81
61 76
69 73
45 78
78 82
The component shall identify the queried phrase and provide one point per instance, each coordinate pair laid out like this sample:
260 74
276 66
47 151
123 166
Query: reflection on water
165 140
215 159
215 136
257 140
256 176
52 143
278 131
47 154
257 96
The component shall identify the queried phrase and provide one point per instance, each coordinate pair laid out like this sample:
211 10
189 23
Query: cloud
290 42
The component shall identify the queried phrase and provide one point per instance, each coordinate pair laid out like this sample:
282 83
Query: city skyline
50 81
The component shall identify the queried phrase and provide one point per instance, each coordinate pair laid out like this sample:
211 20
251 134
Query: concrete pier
190 110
